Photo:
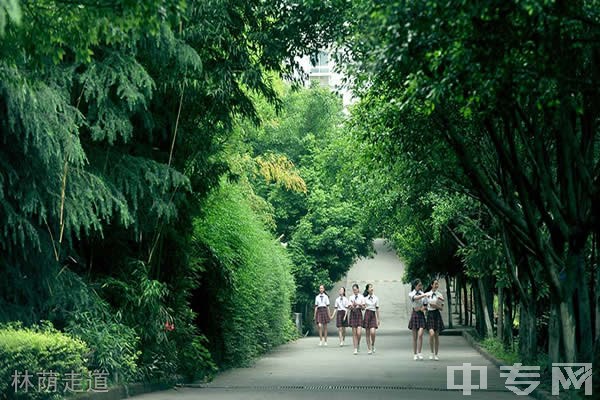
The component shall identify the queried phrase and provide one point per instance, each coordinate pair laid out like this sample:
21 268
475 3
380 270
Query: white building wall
325 74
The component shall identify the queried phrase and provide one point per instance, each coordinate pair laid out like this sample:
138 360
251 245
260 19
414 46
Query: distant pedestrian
322 314
371 320
435 324
357 303
417 319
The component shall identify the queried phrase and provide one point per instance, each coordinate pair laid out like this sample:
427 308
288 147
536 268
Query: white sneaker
373 349
320 343
415 357
420 356
431 356
341 344
436 358
325 344
369 352
355 352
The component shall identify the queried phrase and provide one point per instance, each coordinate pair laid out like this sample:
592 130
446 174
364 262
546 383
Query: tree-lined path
303 370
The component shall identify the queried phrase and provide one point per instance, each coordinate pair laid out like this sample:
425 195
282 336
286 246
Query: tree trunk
527 333
500 327
467 302
508 319
486 322
459 297
596 248
567 320
471 306
449 302
586 341
479 313
554 331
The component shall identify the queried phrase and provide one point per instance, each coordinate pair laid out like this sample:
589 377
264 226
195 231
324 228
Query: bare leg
437 342
373 331
420 341
325 332
320 331
431 339
358 332
414 333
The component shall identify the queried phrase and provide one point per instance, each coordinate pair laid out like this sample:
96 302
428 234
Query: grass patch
497 349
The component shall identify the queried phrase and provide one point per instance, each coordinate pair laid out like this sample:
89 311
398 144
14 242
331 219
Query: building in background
323 72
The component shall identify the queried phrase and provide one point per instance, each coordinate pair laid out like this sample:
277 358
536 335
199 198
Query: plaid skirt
356 317
340 322
322 315
417 320
370 320
434 320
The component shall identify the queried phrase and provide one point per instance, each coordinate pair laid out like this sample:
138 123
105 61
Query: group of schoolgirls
349 312
432 302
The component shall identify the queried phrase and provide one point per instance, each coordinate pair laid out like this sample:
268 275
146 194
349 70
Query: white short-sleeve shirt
356 300
372 302
341 303
321 300
417 303
435 298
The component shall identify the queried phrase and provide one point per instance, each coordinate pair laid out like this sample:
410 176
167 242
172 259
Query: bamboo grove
134 184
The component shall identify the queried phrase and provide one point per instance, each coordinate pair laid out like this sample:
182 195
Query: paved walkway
303 370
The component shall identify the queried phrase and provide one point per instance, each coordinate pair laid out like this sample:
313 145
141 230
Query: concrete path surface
303 370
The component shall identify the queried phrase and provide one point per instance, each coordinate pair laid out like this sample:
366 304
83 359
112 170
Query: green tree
511 88
114 122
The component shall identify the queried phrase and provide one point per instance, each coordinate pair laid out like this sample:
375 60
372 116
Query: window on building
321 63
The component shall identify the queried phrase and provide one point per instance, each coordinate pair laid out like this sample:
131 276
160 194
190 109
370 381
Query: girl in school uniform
435 324
340 311
417 319
371 320
356 305
322 314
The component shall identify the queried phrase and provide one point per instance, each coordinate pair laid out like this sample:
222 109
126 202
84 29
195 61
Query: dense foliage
248 288
38 352
167 200
488 113
322 226
116 126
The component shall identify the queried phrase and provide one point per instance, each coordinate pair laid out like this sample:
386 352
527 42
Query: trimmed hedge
251 278
39 350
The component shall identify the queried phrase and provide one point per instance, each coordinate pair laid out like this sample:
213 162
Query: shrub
114 346
195 360
38 350
251 285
